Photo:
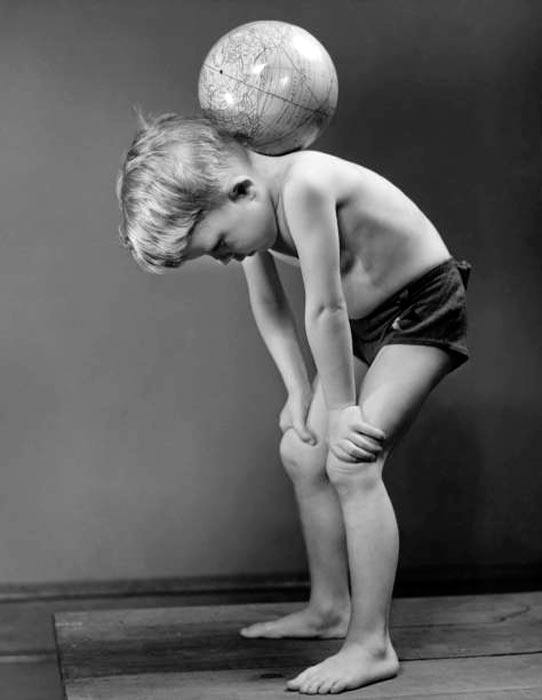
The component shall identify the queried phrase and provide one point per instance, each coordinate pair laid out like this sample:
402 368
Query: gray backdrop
138 414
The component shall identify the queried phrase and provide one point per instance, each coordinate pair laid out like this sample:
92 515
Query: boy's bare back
385 240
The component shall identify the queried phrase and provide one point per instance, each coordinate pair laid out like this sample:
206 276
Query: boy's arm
312 219
275 322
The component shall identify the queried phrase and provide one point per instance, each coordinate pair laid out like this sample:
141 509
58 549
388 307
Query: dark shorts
430 310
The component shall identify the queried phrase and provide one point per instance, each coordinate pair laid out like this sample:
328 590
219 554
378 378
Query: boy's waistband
418 284
433 273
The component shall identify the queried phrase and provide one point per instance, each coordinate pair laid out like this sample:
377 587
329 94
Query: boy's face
241 226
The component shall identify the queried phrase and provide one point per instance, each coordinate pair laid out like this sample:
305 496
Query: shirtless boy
380 286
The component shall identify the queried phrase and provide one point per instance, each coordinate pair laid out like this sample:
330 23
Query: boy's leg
393 390
328 610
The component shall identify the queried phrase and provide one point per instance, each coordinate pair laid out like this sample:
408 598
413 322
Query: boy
380 285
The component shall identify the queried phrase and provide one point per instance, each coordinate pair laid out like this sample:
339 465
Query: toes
255 630
295 683
300 681
309 686
337 687
325 686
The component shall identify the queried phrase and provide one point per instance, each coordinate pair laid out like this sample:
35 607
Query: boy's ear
241 186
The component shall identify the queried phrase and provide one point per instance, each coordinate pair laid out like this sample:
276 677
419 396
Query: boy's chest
359 294
289 255
284 247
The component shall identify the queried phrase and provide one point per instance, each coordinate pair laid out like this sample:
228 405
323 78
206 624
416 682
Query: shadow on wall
436 483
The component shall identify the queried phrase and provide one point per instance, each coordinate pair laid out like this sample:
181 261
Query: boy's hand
294 415
351 439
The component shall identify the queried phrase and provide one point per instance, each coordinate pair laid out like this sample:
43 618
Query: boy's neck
270 170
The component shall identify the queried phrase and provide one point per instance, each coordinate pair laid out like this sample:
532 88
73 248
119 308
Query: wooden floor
28 654
469 647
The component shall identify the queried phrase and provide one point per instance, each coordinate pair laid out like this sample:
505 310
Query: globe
271 85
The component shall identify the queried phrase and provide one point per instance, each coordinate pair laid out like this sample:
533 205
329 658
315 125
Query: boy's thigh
292 447
298 456
397 384
318 414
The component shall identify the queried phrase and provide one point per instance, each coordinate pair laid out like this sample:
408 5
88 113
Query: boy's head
186 190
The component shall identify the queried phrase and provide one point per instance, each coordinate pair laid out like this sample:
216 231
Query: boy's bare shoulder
312 167
317 172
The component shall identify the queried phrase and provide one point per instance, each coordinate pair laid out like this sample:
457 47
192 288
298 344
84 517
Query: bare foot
352 667
304 623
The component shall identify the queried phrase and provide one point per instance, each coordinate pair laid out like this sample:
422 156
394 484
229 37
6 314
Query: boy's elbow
320 310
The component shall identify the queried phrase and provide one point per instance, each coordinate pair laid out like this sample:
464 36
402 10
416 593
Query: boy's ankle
377 645
330 609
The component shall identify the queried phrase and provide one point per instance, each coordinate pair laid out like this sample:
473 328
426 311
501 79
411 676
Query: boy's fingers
285 425
366 443
364 450
305 434
351 455
371 431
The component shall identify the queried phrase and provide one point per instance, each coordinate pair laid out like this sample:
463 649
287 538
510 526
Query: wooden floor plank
28 668
464 647
492 678
105 643
26 627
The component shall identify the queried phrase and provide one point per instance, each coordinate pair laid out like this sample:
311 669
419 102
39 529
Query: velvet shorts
429 310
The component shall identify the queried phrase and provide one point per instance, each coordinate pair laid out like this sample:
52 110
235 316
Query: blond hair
169 179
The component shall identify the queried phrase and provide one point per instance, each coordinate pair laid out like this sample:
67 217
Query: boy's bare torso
385 240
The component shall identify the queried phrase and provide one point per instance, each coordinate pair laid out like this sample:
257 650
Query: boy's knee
300 459
350 477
